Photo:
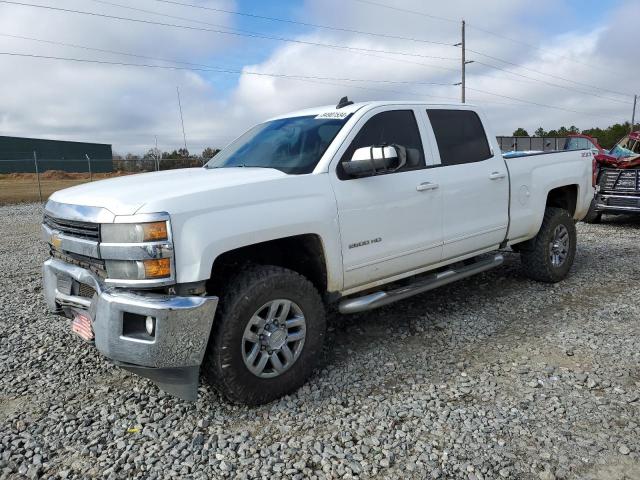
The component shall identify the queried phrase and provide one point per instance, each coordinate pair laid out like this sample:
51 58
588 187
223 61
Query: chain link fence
520 144
28 176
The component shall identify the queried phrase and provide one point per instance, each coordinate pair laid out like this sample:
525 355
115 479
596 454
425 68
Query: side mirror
368 161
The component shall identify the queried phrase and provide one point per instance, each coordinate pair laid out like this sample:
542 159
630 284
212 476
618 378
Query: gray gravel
493 377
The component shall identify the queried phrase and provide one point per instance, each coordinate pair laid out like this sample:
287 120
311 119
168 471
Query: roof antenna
344 102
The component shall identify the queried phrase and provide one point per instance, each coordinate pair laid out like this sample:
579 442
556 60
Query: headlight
134 232
138 269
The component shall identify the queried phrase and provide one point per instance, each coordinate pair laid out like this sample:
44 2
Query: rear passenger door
390 223
474 183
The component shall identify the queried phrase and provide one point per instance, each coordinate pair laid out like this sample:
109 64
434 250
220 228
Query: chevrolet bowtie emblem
56 241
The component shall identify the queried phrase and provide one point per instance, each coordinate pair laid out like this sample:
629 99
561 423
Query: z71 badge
365 242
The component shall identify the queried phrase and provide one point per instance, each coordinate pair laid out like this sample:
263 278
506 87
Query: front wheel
549 255
268 335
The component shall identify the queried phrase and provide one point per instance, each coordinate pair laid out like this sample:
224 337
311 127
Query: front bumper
171 357
610 203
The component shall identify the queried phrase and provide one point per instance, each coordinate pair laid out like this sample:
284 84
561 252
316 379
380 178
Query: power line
312 79
551 84
471 25
171 2
204 67
534 47
305 24
115 52
414 12
543 73
406 10
531 103
316 80
207 68
357 49
223 32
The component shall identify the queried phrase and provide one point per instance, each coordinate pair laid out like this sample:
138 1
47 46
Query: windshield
578 143
627 147
291 145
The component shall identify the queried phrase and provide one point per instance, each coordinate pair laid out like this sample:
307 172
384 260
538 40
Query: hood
126 195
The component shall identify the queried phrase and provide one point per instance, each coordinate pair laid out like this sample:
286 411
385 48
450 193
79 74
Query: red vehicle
616 175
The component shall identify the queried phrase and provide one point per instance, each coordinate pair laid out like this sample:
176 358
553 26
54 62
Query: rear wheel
592 216
549 255
268 335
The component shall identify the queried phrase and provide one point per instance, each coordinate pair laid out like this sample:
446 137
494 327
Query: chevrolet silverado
227 269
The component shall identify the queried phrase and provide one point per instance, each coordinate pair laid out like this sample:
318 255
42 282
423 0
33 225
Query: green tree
607 137
209 152
520 132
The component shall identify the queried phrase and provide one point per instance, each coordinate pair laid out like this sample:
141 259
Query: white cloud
591 45
127 106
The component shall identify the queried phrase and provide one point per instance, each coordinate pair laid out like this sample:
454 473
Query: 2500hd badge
365 242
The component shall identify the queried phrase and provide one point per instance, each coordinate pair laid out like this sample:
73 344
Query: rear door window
460 136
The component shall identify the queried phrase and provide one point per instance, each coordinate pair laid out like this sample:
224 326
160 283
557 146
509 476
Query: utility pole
157 155
35 161
463 64
89 163
633 115
184 135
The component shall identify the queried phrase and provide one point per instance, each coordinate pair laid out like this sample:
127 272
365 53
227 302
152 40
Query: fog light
157 268
150 325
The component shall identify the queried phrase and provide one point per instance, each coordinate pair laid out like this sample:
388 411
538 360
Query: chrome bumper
181 334
617 203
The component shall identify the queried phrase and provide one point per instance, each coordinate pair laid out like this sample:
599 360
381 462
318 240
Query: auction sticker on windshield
336 115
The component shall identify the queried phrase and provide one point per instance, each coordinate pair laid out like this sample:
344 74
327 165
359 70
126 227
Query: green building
19 154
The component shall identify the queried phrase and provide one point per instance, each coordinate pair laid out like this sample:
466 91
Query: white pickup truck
228 268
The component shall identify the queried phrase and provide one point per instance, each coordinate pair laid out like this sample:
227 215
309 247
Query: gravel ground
493 377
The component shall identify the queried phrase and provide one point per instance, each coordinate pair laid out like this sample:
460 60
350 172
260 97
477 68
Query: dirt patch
23 187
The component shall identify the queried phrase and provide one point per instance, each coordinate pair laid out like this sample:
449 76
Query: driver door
391 222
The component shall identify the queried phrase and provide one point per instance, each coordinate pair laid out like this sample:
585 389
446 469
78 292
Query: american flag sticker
82 326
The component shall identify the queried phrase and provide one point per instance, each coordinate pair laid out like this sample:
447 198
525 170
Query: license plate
82 327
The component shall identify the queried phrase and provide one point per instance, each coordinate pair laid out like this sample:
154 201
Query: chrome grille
93 264
615 180
85 290
630 202
73 228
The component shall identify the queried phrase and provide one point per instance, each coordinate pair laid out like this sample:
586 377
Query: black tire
224 366
535 254
593 216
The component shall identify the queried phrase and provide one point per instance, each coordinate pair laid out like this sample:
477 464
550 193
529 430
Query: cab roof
354 107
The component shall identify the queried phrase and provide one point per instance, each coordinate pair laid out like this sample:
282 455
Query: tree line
178 154
607 137
155 159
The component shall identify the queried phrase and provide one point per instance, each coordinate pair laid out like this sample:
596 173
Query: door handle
427 186
497 175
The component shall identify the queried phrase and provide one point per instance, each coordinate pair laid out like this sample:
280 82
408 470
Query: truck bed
533 176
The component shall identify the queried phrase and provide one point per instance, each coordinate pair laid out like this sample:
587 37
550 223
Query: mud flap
180 382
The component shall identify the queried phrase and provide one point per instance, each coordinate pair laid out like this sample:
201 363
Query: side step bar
435 280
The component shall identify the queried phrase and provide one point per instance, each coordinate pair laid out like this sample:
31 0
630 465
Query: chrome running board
435 280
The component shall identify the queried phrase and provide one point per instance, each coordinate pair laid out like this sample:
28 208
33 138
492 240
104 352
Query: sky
549 64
